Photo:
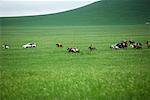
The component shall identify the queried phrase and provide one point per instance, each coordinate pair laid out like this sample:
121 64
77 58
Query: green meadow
51 73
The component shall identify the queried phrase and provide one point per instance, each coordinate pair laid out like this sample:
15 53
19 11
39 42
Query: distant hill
105 12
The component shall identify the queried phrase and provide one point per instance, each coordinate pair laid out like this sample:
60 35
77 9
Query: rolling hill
105 12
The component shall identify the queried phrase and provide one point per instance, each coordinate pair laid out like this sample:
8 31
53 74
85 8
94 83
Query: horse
136 45
114 46
131 42
73 50
59 45
122 44
91 48
147 43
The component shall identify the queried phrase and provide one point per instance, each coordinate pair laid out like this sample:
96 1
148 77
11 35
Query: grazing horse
5 46
73 50
135 45
147 43
59 45
92 48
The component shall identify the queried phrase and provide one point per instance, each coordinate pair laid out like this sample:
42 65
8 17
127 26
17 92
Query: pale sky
9 8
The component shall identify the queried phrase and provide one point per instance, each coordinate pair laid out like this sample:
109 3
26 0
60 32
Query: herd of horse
133 44
120 45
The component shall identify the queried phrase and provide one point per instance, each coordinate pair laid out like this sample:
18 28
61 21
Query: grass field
50 73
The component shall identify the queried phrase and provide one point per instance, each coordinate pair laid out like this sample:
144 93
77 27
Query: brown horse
147 43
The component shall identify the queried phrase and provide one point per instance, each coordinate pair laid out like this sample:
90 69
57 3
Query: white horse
74 50
114 46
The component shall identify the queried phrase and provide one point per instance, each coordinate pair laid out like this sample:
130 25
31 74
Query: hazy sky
38 7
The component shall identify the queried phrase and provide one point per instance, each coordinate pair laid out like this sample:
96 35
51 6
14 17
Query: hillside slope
105 12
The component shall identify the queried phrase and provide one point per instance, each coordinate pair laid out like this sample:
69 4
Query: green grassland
51 73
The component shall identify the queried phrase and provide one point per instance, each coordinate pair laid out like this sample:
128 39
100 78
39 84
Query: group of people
133 44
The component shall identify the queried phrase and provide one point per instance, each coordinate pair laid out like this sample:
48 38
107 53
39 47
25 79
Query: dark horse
136 45
122 44
59 45
92 48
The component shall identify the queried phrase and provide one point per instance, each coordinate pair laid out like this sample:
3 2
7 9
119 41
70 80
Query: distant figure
131 42
73 50
5 46
122 44
136 45
59 45
147 43
92 48
125 43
